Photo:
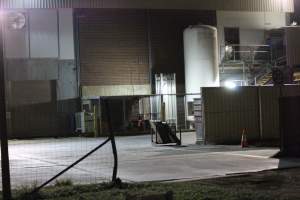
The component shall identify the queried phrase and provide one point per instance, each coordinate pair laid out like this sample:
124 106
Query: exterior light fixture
230 85
294 23
228 49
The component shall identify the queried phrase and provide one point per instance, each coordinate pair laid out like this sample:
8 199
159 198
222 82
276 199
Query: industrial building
63 57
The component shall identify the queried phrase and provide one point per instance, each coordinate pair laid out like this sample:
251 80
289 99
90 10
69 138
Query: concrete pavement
35 161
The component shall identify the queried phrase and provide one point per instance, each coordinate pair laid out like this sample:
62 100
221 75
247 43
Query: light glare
230 85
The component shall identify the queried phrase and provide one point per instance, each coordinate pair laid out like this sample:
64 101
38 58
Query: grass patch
271 185
63 182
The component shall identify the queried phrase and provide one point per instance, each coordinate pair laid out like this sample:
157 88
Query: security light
294 23
230 85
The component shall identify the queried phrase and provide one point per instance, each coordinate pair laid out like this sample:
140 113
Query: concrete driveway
35 161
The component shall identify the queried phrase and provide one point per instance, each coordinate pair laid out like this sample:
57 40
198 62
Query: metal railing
246 53
280 61
251 60
171 108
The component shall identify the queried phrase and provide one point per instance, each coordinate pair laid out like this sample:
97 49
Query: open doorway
232 38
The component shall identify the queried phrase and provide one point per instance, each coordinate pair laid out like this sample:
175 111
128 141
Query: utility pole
6 190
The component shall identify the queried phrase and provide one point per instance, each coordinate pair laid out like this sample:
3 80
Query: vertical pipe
185 112
124 113
28 29
151 132
260 114
100 117
180 135
77 48
95 121
234 54
58 34
150 51
156 136
244 75
3 126
57 89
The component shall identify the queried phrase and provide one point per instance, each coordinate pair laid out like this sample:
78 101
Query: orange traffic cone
244 142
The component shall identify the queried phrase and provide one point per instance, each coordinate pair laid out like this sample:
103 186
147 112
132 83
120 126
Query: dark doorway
232 38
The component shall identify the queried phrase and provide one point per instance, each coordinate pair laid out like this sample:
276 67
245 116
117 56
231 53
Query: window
232 37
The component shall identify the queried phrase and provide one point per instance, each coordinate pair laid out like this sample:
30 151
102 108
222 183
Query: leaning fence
41 162
89 154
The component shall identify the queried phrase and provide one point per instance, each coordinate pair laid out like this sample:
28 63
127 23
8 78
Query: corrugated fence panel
291 91
269 112
113 47
228 112
249 5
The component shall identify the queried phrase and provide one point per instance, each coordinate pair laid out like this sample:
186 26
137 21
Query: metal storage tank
201 70
201 58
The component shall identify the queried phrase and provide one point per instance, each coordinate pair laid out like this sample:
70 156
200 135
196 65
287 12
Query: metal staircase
264 80
253 66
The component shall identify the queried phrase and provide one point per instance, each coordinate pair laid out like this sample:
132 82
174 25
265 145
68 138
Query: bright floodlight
230 85
294 23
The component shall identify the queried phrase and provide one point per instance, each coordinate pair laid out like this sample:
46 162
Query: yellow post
95 121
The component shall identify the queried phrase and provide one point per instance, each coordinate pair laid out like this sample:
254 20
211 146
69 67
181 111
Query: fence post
113 142
6 190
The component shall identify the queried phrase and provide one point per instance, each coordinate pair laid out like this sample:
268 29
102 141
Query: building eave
230 5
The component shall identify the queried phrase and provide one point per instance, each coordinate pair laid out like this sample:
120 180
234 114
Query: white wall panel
249 23
67 82
16 41
66 34
43 33
251 36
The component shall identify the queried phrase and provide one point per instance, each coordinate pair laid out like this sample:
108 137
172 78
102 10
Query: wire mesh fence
38 162
32 162
41 161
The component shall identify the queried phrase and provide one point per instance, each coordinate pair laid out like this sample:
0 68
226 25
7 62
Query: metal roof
242 5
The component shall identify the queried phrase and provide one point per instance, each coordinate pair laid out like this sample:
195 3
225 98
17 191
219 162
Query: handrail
249 56
252 50
279 60
261 74
248 45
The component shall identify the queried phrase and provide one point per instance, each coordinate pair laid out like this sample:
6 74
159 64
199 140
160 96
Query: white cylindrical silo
201 58
201 70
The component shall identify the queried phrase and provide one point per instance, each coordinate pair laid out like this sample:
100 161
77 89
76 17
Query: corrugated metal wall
227 112
292 45
249 5
113 47
114 44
